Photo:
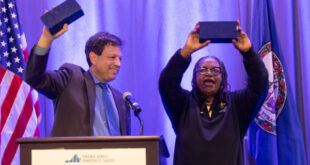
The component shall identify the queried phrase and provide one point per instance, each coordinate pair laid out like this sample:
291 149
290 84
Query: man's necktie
110 111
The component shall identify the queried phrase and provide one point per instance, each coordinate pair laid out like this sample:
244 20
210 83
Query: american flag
20 108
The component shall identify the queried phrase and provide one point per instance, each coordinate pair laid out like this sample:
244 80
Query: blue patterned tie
110 111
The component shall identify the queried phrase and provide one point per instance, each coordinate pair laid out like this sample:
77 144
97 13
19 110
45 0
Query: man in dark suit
85 104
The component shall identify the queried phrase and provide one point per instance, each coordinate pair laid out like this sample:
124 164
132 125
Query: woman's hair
222 95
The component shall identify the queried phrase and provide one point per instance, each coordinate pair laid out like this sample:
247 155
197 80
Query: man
85 104
210 121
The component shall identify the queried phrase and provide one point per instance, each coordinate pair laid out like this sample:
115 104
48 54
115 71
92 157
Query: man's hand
47 38
192 43
243 44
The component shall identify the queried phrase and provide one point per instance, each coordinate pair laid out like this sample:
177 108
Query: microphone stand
136 112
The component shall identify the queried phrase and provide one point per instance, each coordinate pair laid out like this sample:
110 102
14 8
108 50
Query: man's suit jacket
73 93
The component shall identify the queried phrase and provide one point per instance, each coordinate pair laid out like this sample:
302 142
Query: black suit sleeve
49 83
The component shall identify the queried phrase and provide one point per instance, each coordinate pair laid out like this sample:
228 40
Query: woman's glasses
213 71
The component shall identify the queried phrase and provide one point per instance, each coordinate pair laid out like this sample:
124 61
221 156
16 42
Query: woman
210 121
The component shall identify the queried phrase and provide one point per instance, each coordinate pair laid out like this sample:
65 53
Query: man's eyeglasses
213 71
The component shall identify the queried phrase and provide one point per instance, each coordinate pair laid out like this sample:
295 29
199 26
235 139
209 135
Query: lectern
149 150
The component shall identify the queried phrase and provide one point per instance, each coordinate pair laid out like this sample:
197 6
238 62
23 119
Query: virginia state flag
275 135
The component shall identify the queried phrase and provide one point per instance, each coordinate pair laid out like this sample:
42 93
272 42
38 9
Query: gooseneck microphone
127 96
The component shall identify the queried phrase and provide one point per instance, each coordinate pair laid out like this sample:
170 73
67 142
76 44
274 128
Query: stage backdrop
152 30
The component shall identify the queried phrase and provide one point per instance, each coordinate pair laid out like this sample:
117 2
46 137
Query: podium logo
74 159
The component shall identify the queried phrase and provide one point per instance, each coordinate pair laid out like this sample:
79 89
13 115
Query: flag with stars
20 109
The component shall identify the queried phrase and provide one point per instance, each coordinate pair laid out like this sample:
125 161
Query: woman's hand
192 43
243 44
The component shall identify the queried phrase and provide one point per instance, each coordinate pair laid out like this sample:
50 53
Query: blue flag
275 136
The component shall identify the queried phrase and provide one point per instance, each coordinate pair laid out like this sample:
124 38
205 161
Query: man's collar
97 81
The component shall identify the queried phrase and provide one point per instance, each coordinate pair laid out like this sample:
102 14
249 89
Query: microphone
127 96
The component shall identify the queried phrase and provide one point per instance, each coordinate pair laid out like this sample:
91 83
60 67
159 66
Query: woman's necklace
208 105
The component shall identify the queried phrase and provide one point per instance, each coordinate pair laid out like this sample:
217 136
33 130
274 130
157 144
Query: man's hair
222 95
98 41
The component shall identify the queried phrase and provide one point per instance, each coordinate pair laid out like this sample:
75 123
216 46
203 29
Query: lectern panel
154 146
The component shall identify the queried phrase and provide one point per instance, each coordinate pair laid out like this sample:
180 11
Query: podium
151 150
